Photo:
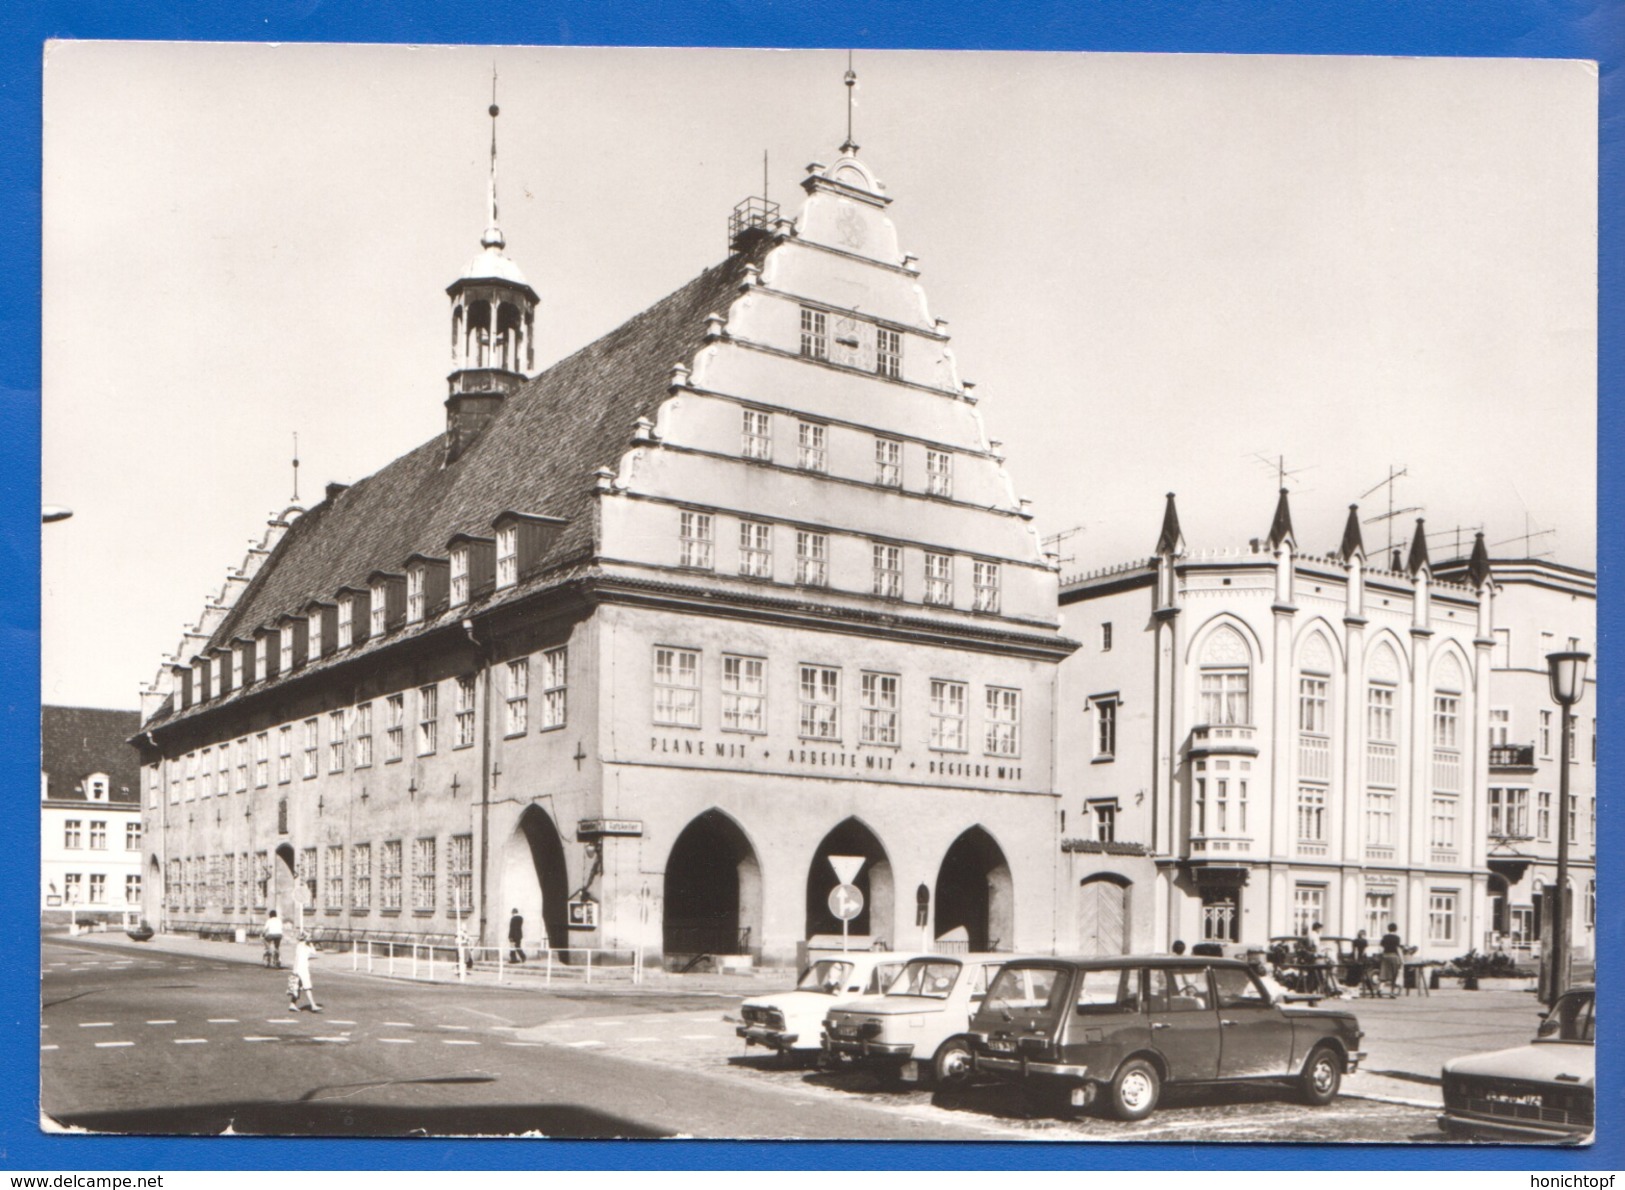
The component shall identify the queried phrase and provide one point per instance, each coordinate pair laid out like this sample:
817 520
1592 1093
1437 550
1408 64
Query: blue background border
1531 28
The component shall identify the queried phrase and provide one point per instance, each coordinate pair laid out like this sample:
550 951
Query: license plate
911 1072
846 1031
1000 1046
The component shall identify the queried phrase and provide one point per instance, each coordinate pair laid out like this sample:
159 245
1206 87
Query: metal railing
1512 756
445 961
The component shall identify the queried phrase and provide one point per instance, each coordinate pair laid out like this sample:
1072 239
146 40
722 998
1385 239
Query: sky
1163 273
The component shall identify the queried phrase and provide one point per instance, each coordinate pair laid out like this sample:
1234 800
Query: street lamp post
1567 672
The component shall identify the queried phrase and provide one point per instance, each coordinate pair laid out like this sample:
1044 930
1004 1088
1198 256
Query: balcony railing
1512 756
1224 737
1382 764
1204 845
1379 851
750 215
1314 758
1446 771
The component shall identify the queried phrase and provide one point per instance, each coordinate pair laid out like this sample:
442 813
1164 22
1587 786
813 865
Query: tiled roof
78 741
538 455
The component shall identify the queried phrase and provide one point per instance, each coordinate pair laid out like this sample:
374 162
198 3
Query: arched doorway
286 899
1103 915
536 882
878 920
713 890
975 894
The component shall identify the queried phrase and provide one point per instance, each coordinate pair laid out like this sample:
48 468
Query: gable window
677 687
262 760
518 696
463 710
695 532
744 693
939 579
284 754
939 473
394 726
820 702
985 586
948 715
555 677
888 579
814 333
338 742
1105 728
756 438
415 595
1003 737
312 744
812 559
428 719
888 463
755 549
812 447
346 624
879 724
889 353
459 576
363 736
507 556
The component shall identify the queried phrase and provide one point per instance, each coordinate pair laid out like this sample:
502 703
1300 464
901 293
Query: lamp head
1567 672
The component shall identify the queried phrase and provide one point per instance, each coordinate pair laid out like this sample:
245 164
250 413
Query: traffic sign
846 901
846 867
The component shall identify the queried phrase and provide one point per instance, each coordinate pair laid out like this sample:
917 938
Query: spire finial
296 466
850 145
493 233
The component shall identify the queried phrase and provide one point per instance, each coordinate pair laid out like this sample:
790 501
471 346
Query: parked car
793 1021
1545 1090
917 1028
1120 1028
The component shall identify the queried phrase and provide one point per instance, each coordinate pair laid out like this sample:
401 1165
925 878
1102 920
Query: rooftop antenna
1053 543
850 145
764 175
296 466
1528 534
1278 465
1388 517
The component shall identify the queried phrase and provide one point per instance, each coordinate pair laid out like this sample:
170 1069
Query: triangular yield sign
846 867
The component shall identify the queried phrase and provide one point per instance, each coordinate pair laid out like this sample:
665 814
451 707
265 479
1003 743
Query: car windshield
826 975
926 977
1572 1019
1023 988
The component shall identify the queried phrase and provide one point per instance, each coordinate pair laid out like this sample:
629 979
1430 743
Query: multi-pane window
518 696
1441 916
755 549
346 623
380 609
394 726
756 440
814 333
262 878
1379 714
389 875
361 876
415 594
880 709
1379 817
222 783
73 833
98 888
460 867
206 773
1379 911
820 702
1308 906
459 576
428 719
132 888
985 586
1105 821
812 441
812 558
463 710
1312 705
1545 735
363 735
1225 697
1442 822
1105 728
744 693
695 532
239 754
939 579
71 885
1226 810
191 776
333 877
888 463
132 836
1573 804
1509 813
507 556
889 353
555 687
98 834
1500 727
312 746
423 874
948 715
1003 722
677 687
262 760
1446 708
1311 814
1543 815
284 754
237 655
1106 637
939 473
888 559
286 650
306 876
338 741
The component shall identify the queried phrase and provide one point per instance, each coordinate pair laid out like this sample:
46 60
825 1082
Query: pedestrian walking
516 938
272 933
299 978
1393 958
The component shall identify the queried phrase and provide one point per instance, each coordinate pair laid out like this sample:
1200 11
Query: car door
1184 1026
1255 1037
1108 1018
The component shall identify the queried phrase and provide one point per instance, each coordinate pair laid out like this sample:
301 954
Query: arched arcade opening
713 890
877 922
975 896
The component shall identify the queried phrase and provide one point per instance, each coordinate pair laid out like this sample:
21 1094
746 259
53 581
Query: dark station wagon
1120 1028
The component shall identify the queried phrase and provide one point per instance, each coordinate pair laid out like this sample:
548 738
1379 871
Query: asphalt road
150 1042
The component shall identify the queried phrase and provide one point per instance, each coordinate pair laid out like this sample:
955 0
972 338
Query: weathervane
296 466
493 233
851 146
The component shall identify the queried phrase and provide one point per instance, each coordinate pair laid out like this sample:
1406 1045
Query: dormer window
507 556
459 576
96 791
522 540
414 595
346 621
200 680
239 654
321 623
380 609
224 665
285 634
265 653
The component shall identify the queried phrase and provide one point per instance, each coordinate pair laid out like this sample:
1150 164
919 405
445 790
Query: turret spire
1478 566
493 233
1171 541
1419 550
1281 526
849 145
1353 539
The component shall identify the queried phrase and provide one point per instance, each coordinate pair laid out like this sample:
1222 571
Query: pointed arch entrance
713 890
536 882
975 894
285 898
879 918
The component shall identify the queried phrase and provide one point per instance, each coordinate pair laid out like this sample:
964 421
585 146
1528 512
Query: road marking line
605 1024
191 1041
459 1028
529 1045
337 1022
330 1039
223 1020
160 1022
95 1024
43 1048
262 1039
579 1045
109 1045
272 1020
698 1036
456 1041
399 1025
397 1041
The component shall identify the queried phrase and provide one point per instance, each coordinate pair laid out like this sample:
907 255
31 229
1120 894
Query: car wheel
1135 1090
1322 1076
952 1065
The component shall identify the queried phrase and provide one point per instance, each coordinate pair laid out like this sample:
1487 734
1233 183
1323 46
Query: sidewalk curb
1374 1097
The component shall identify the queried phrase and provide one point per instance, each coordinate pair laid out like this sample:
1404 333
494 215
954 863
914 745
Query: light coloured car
792 1021
916 1030
1546 1090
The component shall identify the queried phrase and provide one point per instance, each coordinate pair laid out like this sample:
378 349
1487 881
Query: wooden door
1103 918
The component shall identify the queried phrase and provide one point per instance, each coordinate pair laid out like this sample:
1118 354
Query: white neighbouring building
90 816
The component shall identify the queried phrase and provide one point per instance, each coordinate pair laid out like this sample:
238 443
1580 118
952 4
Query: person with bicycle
272 933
